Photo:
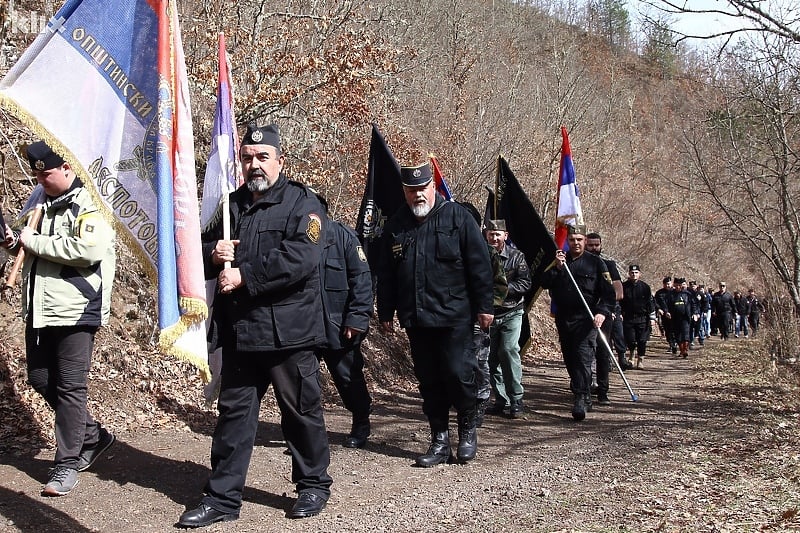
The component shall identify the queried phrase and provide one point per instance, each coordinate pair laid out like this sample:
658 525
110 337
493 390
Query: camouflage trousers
480 348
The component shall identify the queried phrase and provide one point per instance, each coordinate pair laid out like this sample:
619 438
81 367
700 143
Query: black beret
416 176
262 135
42 157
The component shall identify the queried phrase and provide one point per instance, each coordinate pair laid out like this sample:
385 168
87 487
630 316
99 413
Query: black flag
383 195
525 230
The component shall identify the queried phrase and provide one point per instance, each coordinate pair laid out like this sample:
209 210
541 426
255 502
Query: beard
421 210
257 182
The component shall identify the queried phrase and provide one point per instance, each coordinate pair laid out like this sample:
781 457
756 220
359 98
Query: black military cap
262 135
496 225
667 280
42 157
416 176
633 268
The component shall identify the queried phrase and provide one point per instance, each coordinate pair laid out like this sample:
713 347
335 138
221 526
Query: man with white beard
435 273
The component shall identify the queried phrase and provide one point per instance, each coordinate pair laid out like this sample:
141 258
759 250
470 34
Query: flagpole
496 182
225 197
634 396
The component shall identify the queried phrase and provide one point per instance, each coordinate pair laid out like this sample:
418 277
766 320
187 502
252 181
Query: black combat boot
579 408
516 409
497 408
438 451
467 436
359 432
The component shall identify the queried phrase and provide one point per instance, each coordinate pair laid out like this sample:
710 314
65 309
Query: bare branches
739 16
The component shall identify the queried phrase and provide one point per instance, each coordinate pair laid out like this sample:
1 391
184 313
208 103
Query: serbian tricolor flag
223 171
438 179
223 176
569 210
105 86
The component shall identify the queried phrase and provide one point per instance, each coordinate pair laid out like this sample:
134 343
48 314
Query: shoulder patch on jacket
361 255
314 228
87 224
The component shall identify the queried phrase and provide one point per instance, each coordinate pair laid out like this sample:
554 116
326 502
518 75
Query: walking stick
634 396
33 221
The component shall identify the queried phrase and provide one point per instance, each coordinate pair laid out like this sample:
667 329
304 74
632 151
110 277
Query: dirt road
708 447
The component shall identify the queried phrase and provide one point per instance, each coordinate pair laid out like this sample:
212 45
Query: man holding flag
66 296
273 278
579 308
577 329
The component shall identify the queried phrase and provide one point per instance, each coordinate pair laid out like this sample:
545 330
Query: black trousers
58 360
347 370
446 371
618 336
637 333
578 339
294 375
603 358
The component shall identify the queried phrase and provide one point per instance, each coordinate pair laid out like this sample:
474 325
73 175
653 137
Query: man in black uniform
723 310
436 274
681 308
577 328
661 299
268 319
638 311
347 303
612 328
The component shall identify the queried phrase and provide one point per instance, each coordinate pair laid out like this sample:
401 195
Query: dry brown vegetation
466 81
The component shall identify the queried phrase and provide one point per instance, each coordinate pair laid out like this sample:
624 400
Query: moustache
256 173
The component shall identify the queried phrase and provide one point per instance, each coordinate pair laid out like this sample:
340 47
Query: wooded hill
686 166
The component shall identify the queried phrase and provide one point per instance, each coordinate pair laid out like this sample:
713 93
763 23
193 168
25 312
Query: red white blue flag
568 212
438 179
105 85
223 171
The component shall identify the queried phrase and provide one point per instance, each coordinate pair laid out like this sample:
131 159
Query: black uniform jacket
723 303
637 301
347 285
591 275
436 273
681 305
279 306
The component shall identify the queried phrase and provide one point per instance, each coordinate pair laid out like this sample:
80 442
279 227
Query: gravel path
697 452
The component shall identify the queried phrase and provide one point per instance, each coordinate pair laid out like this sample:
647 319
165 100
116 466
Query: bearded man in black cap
66 296
267 318
436 275
577 328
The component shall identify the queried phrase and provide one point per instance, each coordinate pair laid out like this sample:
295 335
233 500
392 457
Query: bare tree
738 17
744 155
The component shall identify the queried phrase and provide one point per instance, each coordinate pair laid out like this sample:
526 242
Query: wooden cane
33 221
